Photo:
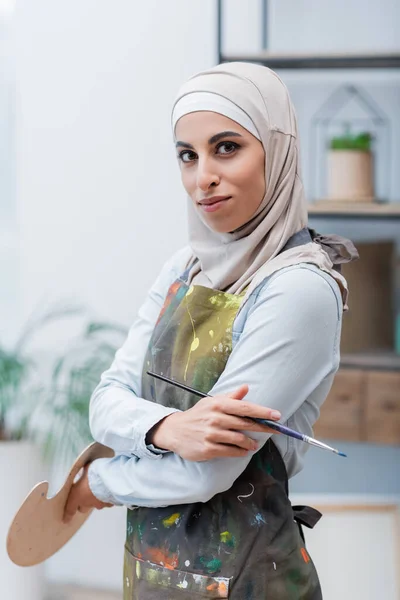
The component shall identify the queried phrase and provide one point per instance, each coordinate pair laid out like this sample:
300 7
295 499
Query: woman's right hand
213 427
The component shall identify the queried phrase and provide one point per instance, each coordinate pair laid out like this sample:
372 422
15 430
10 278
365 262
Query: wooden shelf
377 361
361 60
362 406
343 209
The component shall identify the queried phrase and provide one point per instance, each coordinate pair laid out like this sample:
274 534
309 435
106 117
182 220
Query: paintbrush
271 424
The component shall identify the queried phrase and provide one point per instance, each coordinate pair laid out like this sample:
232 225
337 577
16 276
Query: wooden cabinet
362 406
382 407
341 414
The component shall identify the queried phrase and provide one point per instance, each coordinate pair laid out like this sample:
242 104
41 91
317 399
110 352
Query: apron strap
306 515
298 239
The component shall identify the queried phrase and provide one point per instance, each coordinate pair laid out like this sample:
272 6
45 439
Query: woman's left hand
81 499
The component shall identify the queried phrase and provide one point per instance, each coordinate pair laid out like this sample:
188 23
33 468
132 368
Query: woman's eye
227 148
187 156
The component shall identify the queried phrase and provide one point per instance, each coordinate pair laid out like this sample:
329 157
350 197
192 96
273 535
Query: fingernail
275 414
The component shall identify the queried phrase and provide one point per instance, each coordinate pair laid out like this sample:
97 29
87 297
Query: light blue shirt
285 347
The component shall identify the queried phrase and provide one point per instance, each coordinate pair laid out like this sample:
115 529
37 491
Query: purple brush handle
281 428
270 424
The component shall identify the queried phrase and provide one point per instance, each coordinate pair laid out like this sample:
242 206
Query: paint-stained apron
244 543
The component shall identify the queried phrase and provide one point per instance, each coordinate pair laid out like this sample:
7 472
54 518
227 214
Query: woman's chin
221 221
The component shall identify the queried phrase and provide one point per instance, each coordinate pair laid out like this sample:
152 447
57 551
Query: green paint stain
140 531
227 538
262 465
212 566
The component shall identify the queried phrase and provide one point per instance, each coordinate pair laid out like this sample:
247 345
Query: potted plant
350 167
44 415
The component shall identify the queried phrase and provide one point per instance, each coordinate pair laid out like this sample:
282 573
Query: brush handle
281 428
271 424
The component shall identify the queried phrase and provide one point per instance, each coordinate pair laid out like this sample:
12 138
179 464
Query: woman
251 309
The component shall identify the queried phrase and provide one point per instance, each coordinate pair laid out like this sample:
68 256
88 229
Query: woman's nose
206 175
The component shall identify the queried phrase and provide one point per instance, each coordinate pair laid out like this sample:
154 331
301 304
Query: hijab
256 98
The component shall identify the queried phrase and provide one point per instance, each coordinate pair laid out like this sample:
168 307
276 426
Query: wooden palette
37 531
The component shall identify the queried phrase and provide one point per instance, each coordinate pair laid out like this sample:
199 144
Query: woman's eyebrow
184 145
215 138
223 134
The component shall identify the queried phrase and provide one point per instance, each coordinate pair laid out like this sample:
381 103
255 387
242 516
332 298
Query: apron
245 543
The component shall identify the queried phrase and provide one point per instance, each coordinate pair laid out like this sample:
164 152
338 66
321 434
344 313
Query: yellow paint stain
225 537
211 333
172 520
195 344
138 569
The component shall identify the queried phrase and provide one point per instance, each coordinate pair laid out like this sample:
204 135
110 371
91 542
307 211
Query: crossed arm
287 348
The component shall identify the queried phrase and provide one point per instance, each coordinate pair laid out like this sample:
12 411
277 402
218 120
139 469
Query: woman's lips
212 204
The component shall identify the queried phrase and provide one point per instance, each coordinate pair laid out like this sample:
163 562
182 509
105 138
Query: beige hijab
243 258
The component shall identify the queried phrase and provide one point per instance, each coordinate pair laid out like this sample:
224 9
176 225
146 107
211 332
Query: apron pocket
144 580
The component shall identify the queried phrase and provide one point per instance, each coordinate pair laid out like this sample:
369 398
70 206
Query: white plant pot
20 469
350 175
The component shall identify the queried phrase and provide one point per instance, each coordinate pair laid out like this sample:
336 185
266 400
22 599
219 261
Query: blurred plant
350 141
53 409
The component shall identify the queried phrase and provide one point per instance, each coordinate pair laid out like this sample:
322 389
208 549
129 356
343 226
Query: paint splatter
212 566
219 586
172 520
304 554
274 563
183 584
227 538
187 563
159 556
195 344
222 589
248 495
258 519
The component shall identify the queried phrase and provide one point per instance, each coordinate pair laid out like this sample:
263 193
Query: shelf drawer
341 413
382 412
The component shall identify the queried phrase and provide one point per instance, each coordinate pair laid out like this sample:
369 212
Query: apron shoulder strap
306 515
298 239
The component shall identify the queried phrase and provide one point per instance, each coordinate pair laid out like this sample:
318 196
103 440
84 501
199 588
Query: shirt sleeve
285 351
119 418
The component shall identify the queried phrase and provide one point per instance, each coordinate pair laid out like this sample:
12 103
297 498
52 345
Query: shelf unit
364 403
359 60
351 210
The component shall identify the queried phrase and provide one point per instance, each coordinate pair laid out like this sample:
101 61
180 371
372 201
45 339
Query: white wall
8 226
99 199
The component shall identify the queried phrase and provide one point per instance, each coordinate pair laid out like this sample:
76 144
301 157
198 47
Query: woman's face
222 169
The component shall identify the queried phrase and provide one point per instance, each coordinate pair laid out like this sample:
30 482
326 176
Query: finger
84 509
250 410
234 438
224 451
234 423
70 509
239 393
